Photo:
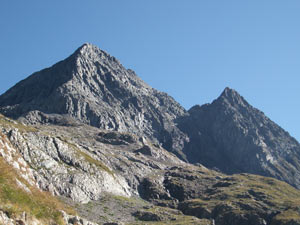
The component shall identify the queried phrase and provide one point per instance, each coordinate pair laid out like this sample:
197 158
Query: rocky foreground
61 174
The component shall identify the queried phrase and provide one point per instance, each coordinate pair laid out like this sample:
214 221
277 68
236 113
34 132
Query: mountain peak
93 53
229 93
232 97
94 88
87 47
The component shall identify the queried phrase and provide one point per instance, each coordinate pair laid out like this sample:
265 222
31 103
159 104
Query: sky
191 49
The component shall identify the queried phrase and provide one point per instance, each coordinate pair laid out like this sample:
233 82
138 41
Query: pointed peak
90 51
87 48
232 96
229 92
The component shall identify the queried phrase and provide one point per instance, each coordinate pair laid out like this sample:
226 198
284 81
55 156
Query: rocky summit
88 142
232 136
93 87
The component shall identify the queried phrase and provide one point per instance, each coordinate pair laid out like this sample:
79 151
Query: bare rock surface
113 177
94 135
234 137
93 87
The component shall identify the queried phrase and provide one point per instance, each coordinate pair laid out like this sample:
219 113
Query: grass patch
87 157
290 214
247 193
9 123
93 161
14 200
180 220
123 199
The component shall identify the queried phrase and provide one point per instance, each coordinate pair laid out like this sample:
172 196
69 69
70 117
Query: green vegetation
169 216
87 157
245 193
183 220
132 200
287 215
6 122
93 161
15 200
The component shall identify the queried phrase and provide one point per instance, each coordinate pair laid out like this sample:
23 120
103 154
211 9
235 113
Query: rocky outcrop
25 219
81 162
239 199
22 200
105 174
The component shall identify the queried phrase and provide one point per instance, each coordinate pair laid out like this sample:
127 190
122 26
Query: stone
88 128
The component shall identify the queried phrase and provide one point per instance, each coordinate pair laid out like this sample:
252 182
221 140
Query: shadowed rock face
93 88
234 137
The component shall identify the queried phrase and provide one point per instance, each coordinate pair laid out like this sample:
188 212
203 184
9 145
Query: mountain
87 142
92 87
234 137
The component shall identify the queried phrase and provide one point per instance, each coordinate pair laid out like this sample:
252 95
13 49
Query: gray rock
92 87
231 135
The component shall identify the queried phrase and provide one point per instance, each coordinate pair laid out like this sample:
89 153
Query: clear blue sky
191 49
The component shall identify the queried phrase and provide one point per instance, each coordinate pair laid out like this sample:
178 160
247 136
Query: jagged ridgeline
93 87
116 151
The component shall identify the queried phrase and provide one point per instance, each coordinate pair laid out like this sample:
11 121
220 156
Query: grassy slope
14 200
247 193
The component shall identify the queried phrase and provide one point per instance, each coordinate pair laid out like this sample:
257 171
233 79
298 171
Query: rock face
238 199
80 163
84 163
91 87
120 178
231 135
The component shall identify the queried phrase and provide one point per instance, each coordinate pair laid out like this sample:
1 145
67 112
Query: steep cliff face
234 137
92 87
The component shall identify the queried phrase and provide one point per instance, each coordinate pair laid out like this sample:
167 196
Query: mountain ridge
94 88
117 151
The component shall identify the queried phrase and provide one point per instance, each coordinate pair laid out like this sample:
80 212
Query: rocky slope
22 200
97 173
109 177
234 137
